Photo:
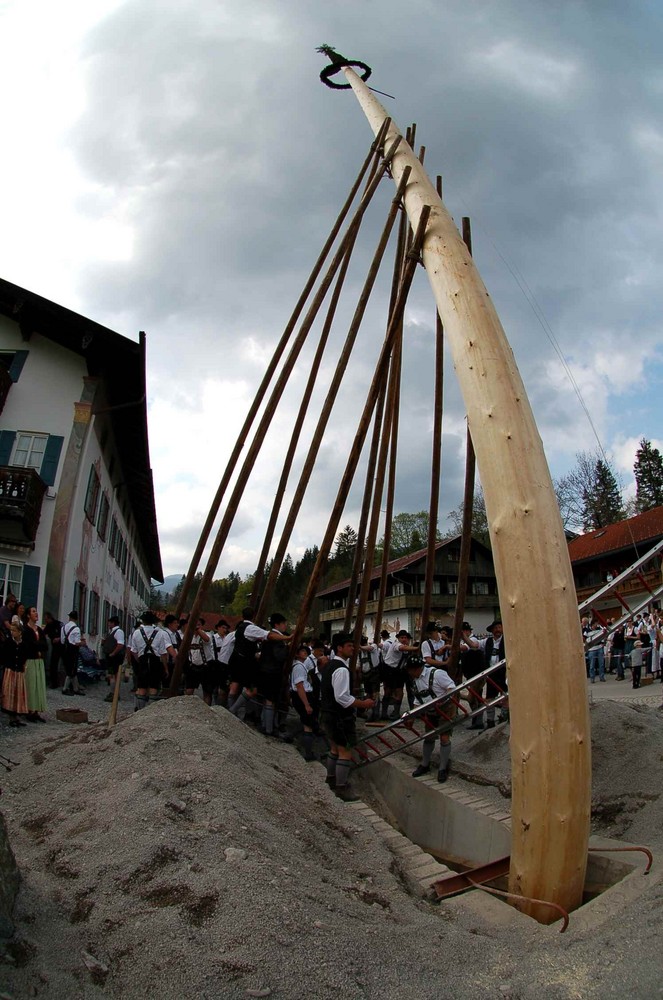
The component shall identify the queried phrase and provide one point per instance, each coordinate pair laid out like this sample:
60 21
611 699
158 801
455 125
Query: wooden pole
463 560
436 464
371 160
266 418
332 392
550 736
360 435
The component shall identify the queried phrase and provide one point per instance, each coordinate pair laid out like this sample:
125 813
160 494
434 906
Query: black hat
432 627
489 628
414 662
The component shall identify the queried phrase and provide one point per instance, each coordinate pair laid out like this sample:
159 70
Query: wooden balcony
630 588
21 495
5 385
415 602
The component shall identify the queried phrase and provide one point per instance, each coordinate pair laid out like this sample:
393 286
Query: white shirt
200 649
299 675
441 683
395 654
118 635
159 645
341 684
70 633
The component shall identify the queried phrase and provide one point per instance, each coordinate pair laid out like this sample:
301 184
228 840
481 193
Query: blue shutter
30 586
7 439
16 366
49 464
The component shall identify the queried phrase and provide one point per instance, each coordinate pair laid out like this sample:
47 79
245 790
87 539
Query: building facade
78 522
405 588
599 556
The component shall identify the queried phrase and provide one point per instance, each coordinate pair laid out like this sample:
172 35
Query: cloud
179 173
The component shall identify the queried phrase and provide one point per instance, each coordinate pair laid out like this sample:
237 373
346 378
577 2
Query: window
29 450
452 587
93 614
13 361
102 523
435 588
105 616
397 590
480 587
92 495
113 538
80 592
11 579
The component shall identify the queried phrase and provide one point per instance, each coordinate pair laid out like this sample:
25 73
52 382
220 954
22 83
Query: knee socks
342 772
268 719
427 751
332 760
445 754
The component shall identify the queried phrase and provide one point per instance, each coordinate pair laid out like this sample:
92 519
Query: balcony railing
5 385
21 495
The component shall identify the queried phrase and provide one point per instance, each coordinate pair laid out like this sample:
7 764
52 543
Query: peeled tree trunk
550 735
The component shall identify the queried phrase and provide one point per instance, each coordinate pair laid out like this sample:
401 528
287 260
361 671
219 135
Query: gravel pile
183 855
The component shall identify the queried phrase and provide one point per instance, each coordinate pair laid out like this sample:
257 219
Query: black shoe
331 781
68 692
418 771
490 724
476 725
109 697
443 775
80 691
346 794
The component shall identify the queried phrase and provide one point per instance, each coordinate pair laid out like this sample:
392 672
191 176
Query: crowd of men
257 675
635 645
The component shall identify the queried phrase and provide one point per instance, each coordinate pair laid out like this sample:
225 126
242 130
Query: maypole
550 736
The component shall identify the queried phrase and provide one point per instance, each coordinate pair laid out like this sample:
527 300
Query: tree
243 596
588 495
479 519
346 543
648 472
409 533
602 499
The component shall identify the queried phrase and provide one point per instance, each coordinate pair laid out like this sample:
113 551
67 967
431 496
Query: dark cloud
208 131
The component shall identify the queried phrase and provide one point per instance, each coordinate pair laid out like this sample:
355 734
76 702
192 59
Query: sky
175 167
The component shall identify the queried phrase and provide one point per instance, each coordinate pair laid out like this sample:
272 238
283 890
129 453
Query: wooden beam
550 737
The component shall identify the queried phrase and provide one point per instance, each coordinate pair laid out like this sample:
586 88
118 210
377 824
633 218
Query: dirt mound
181 854
627 769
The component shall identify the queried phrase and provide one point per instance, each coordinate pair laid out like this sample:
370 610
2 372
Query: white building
77 515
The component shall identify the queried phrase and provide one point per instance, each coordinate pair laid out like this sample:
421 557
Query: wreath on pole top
336 65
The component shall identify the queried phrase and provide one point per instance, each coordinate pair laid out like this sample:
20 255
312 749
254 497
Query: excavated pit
466 822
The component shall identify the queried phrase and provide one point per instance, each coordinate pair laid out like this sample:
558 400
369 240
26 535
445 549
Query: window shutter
30 586
7 439
49 465
16 366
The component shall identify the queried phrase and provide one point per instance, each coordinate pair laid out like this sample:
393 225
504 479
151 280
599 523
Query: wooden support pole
360 436
453 668
371 159
550 739
263 425
332 392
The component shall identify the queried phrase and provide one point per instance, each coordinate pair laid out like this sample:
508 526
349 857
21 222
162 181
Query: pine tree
602 499
648 471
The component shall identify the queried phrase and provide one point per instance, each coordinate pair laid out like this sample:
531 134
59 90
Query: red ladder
433 717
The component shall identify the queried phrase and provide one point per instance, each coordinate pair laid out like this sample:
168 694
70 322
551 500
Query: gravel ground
183 855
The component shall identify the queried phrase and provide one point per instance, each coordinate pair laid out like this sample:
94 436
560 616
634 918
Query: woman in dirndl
13 653
35 643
